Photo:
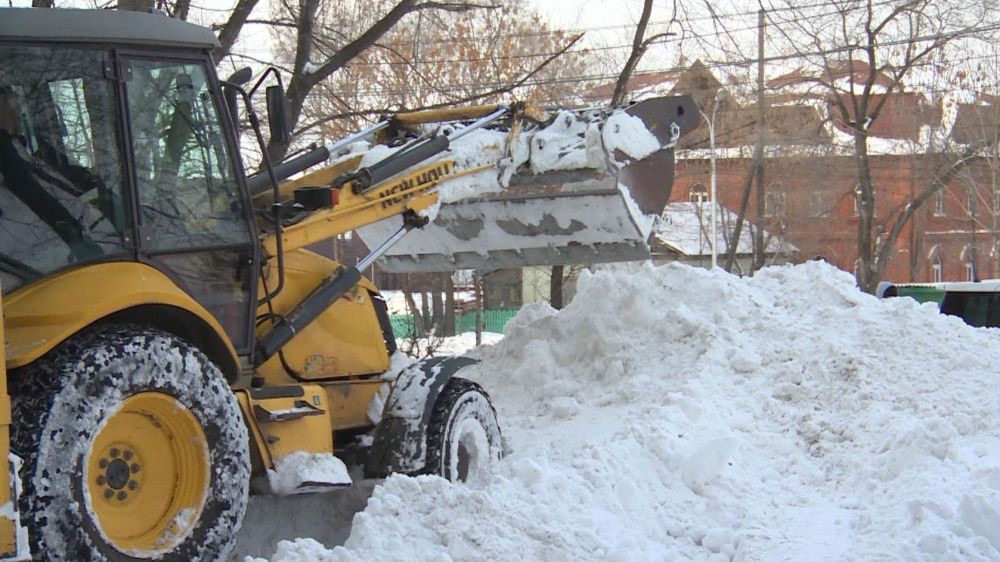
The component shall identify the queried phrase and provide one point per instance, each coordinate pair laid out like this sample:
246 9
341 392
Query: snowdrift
676 413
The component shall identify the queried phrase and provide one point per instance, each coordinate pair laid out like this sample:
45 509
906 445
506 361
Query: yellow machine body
8 525
287 419
339 343
13 538
42 315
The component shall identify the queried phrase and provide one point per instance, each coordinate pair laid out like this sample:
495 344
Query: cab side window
61 202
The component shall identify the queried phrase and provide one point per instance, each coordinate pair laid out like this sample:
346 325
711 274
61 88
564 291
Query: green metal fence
494 320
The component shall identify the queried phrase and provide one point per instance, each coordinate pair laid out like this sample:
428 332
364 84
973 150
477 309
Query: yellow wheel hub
148 474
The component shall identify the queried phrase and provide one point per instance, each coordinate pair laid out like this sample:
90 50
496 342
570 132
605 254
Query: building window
996 201
939 203
936 268
970 201
774 200
818 204
969 259
698 193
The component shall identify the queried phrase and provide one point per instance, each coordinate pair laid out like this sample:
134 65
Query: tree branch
638 49
230 30
459 101
381 27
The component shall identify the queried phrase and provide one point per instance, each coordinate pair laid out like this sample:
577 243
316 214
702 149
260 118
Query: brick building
810 175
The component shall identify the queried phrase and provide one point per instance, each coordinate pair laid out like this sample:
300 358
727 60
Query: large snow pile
681 414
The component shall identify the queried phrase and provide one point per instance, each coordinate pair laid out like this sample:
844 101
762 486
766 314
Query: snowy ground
681 414
324 517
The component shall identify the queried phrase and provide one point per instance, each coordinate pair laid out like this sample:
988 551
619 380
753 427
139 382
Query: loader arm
413 191
344 196
566 187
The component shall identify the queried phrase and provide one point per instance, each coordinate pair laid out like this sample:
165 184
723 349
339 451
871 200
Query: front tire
463 437
134 449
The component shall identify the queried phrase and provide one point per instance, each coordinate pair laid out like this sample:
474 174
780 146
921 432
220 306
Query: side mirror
278 115
241 76
231 94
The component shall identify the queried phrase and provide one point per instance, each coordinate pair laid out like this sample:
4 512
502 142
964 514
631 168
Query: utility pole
758 234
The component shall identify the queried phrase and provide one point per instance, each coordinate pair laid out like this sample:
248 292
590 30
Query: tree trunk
135 5
733 244
638 49
758 232
865 200
556 287
437 303
231 29
411 305
758 237
181 9
477 285
449 305
425 309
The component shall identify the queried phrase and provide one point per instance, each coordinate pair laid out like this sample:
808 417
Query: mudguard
400 440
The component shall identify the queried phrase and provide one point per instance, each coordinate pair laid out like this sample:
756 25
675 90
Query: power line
797 9
694 36
611 76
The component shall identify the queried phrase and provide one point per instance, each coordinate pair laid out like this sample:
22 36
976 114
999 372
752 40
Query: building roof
839 73
685 229
641 84
801 115
103 27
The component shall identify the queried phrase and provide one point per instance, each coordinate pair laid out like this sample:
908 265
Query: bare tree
863 52
481 54
640 44
318 57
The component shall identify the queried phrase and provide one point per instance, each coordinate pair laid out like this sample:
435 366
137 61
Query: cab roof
101 27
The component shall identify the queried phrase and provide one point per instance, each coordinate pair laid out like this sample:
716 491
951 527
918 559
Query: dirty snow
680 414
301 471
598 140
629 134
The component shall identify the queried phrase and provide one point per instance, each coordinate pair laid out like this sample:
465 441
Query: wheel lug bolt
127 454
122 495
108 494
100 480
103 463
115 452
135 467
133 485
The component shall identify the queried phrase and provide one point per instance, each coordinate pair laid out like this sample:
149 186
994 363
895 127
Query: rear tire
463 437
134 448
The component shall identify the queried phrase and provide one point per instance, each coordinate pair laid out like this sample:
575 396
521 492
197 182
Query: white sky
588 13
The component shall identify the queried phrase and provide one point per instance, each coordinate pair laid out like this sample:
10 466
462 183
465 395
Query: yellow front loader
171 342
13 537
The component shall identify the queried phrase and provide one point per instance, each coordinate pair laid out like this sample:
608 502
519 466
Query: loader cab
115 145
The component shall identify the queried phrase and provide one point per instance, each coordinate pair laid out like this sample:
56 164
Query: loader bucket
553 217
